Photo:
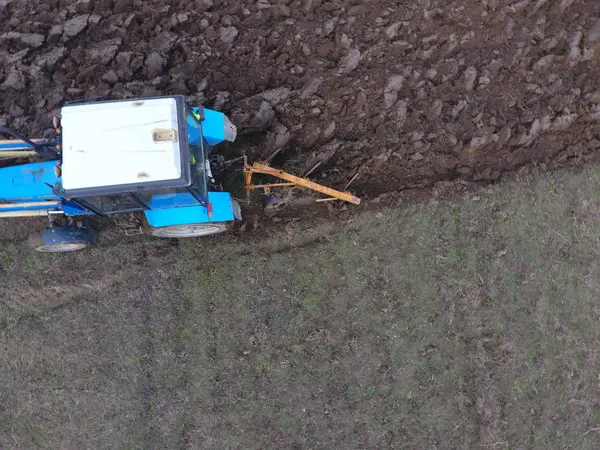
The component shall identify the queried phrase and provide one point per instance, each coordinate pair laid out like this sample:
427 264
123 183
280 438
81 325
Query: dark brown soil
403 93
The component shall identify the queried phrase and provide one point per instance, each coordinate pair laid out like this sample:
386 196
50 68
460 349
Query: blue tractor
147 155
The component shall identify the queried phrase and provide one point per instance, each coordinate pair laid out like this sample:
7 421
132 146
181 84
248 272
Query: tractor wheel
63 239
192 230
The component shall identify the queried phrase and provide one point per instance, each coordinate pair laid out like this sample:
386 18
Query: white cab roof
114 143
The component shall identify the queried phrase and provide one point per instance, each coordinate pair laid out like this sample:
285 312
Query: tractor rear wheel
63 239
191 230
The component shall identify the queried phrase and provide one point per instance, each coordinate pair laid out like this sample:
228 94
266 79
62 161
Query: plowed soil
403 94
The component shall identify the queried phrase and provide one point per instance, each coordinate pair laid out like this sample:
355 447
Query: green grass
453 324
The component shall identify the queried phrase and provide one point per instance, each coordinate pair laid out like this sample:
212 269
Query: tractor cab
149 155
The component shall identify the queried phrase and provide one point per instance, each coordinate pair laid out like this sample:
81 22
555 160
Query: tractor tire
63 239
191 230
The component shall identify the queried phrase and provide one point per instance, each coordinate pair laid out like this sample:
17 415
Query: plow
148 156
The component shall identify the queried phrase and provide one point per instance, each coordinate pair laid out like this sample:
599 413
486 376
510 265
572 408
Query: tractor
148 155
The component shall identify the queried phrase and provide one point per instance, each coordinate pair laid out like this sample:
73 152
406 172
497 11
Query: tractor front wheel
63 239
192 230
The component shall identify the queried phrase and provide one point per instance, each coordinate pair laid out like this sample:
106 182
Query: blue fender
222 211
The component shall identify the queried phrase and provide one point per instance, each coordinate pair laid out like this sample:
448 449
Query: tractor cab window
198 155
110 204
198 170
194 127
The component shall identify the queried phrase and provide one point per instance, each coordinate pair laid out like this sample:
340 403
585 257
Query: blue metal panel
213 126
222 211
32 208
28 181
72 209
17 145
178 200
67 235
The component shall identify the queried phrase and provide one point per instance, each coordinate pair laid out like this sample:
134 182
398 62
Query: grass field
465 324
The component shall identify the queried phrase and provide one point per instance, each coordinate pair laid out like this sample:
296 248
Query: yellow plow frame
291 180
